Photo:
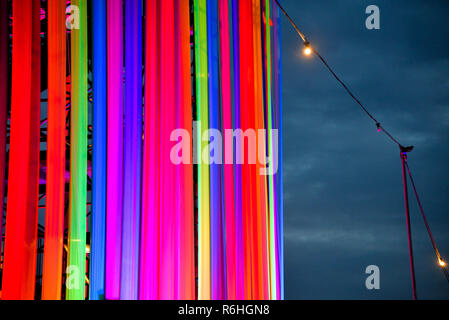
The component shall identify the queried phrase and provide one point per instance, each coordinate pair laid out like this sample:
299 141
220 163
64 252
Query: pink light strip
115 148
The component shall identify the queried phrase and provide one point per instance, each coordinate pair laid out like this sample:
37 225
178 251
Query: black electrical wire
379 128
306 43
421 209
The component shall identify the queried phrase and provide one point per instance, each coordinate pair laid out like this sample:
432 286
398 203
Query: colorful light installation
114 206
215 193
167 265
99 152
76 262
184 241
56 133
228 169
21 213
132 151
202 113
272 222
277 82
149 233
143 202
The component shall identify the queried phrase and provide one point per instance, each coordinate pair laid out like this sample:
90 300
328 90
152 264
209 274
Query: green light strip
270 155
76 264
202 109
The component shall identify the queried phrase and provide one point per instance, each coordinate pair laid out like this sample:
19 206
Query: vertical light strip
272 227
216 229
228 168
167 79
56 134
114 205
202 97
4 92
97 264
188 254
132 151
275 150
78 158
239 254
185 259
251 148
278 99
19 265
261 185
149 238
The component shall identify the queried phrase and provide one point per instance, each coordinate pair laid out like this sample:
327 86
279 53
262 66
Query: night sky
343 204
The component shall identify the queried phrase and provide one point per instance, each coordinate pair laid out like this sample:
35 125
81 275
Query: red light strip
149 240
167 79
184 172
19 269
247 122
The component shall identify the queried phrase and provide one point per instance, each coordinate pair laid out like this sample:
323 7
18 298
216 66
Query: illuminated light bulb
307 49
441 263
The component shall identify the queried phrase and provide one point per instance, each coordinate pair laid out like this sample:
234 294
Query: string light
307 50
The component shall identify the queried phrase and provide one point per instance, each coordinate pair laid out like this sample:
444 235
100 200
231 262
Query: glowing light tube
216 219
56 133
97 264
149 236
201 68
271 199
114 206
247 122
278 99
21 216
4 89
185 256
132 151
239 254
228 168
78 159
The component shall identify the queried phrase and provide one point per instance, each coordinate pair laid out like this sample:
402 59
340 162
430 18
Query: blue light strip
216 212
97 265
278 103
133 151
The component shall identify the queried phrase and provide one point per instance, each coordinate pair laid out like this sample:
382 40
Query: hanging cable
310 49
441 262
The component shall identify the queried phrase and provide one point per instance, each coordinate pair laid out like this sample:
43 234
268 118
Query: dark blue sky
343 201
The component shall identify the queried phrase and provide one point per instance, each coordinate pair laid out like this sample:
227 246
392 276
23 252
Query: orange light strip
56 134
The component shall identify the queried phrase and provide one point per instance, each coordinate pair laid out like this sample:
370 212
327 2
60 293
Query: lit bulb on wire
441 263
307 49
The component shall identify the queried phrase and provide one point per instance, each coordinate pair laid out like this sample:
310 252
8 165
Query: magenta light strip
133 150
115 148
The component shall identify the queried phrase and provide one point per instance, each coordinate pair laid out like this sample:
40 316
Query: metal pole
407 215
